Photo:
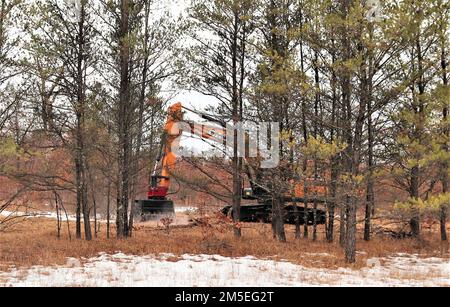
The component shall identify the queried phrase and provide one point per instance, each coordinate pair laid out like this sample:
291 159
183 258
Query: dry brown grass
34 242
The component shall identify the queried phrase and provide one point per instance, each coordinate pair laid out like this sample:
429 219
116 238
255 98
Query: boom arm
158 204
160 184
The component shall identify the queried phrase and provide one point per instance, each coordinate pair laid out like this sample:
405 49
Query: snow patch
166 270
185 209
28 215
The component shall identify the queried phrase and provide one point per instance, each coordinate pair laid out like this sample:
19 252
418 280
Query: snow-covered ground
52 215
183 209
202 270
36 214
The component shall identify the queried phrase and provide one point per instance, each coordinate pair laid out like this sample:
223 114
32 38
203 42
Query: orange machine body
161 183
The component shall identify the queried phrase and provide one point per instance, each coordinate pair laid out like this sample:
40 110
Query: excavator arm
158 203
160 183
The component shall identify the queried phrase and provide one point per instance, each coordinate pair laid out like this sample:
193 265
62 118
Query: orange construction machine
158 203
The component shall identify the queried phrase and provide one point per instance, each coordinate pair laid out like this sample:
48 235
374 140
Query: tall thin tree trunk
350 240
124 116
370 200
317 122
94 200
141 120
332 204
315 221
96 224
342 225
370 197
415 220
58 216
2 24
274 221
237 165
306 220
330 222
85 207
298 231
419 108
444 208
78 209
334 161
279 225
81 110
108 211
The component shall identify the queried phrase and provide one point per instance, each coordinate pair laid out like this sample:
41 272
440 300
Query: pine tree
139 56
219 61
416 144
279 85
61 53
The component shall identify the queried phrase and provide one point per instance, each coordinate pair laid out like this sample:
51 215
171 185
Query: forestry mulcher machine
158 204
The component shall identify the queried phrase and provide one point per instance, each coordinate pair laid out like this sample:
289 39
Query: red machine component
157 192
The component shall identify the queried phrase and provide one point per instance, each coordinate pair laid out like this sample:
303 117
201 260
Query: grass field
34 242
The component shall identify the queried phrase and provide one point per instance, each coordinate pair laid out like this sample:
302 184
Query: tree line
360 89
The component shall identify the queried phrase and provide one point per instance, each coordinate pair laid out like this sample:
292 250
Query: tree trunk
370 197
332 203
419 129
237 162
86 216
335 161
277 205
317 122
302 98
415 220
141 119
370 200
315 221
58 216
330 223
444 209
443 213
108 211
305 220
124 157
78 209
298 231
94 200
274 221
342 226
350 240
81 110
96 224
2 25
236 193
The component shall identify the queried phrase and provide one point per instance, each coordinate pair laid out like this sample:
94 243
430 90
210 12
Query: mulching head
151 209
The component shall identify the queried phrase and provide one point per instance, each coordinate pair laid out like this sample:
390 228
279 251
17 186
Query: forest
359 90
